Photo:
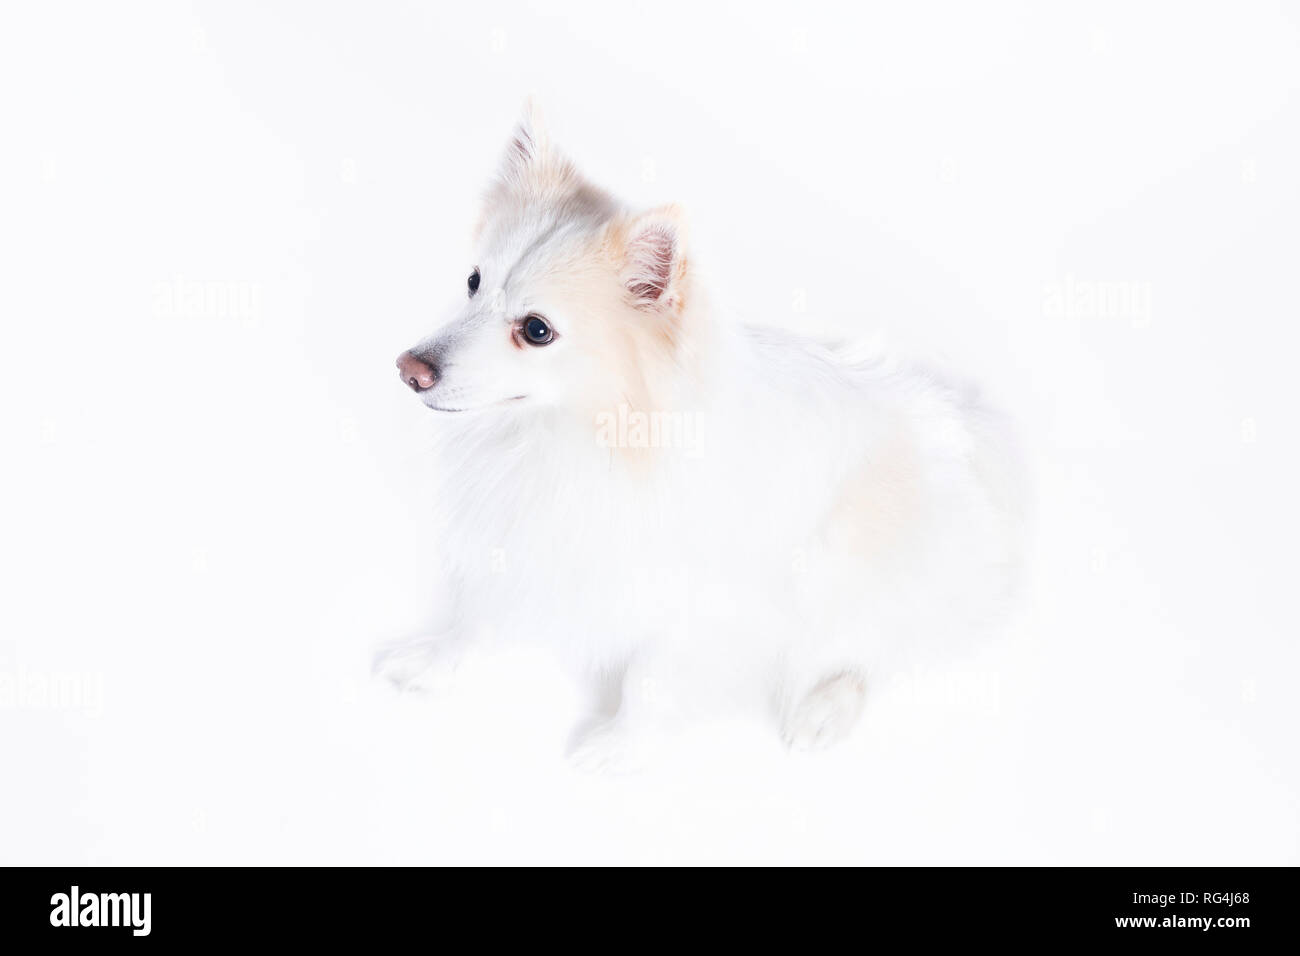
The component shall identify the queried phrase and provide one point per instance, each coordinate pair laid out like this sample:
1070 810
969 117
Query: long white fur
799 520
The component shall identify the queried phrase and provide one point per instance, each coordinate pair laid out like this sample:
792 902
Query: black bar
230 906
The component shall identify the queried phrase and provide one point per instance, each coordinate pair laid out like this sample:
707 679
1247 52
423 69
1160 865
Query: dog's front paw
826 714
608 748
420 668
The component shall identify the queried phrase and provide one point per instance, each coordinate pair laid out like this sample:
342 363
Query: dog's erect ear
534 170
654 260
529 149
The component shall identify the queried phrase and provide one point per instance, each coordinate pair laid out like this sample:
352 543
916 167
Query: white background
215 506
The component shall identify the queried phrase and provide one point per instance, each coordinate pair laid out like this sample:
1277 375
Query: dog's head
570 299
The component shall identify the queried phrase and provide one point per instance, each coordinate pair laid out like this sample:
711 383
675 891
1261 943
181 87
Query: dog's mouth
475 408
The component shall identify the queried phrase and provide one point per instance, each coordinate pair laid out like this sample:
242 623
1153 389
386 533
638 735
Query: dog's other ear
654 260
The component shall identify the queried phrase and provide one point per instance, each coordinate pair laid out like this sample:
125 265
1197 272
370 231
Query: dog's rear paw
420 668
826 714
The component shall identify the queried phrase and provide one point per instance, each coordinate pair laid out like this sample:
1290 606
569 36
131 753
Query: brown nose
416 372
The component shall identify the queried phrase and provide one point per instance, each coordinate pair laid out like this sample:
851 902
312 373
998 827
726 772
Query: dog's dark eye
473 282
537 332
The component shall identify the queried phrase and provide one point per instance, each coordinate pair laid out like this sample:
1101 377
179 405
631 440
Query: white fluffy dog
716 512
